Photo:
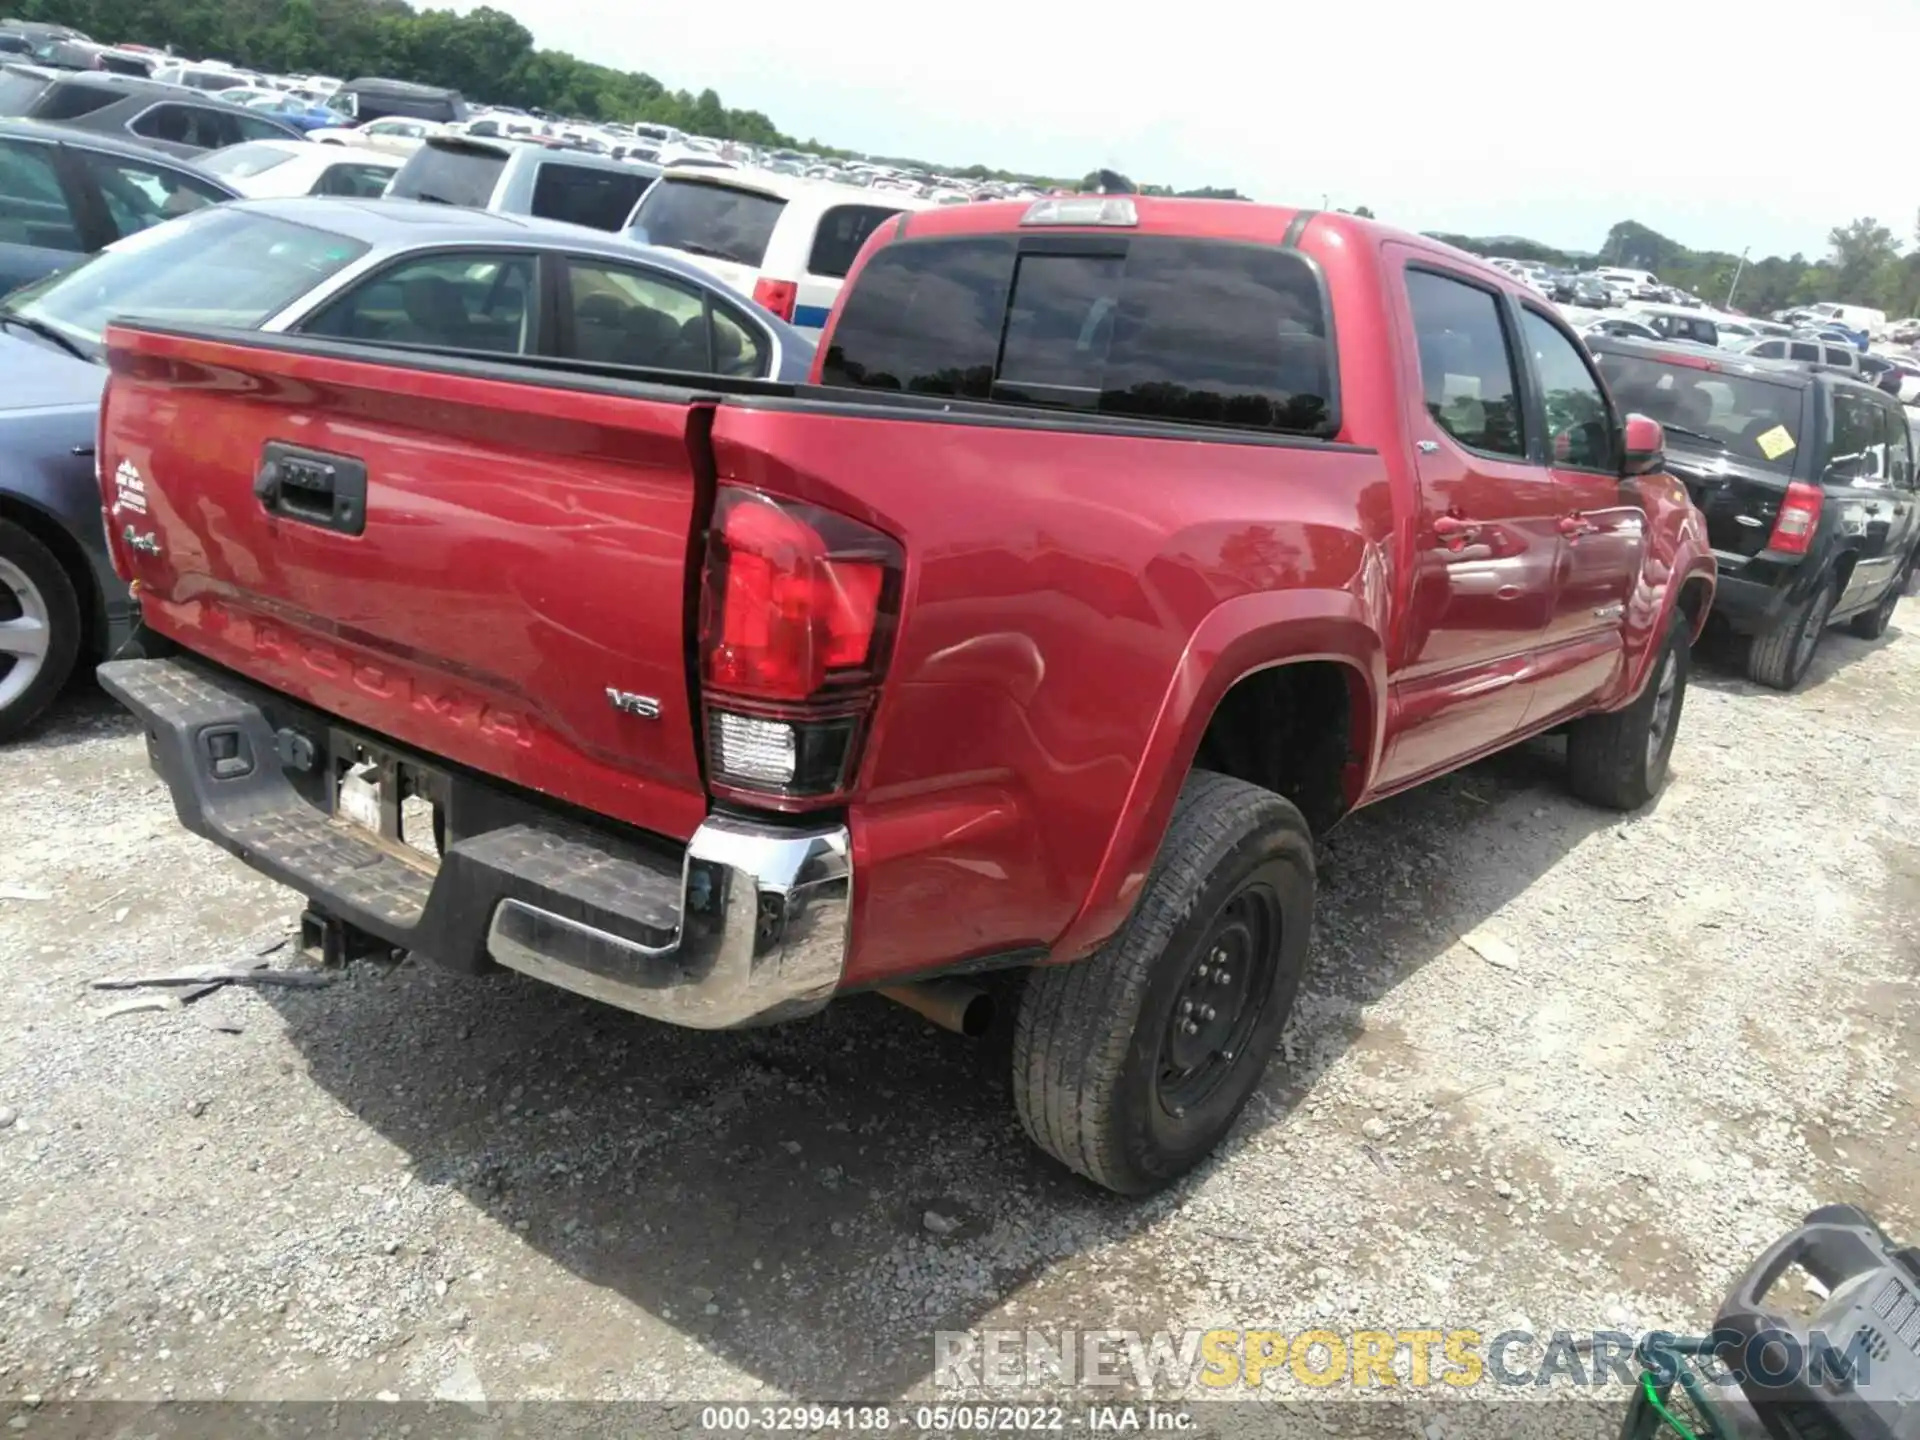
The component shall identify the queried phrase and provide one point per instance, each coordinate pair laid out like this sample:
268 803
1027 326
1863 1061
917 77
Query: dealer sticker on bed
130 491
1775 442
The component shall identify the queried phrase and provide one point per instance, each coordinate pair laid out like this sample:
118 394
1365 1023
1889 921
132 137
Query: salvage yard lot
1667 1036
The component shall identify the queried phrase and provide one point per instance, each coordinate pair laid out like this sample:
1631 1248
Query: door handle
1575 525
1453 532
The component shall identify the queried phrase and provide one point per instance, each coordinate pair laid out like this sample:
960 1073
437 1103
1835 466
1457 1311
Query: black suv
166 117
1806 478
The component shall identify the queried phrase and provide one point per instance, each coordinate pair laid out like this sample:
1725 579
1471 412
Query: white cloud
1483 116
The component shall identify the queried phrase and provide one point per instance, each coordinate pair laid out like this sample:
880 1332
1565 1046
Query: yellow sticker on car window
1775 442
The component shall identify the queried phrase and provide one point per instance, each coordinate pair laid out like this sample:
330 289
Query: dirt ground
1665 1037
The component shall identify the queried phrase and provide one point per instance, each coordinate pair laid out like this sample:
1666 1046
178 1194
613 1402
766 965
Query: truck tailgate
516 561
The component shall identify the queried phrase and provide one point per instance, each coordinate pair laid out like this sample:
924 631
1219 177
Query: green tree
1863 252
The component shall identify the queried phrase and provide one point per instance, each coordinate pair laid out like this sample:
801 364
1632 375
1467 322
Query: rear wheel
1780 658
39 628
1130 1066
1620 760
1872 624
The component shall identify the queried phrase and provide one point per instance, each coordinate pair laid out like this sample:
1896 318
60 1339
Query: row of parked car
727 270
508 248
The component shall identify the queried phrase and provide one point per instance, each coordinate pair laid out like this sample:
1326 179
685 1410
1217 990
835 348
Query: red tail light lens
779 296
1799 517
792 597
796 616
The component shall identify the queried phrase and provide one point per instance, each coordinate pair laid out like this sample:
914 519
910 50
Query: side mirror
1644 448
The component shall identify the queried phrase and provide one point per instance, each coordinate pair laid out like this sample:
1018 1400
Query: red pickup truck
1119 548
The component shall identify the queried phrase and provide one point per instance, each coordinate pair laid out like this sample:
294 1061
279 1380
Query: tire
1780 658
1619 760
40 629
1872 624
1101 1075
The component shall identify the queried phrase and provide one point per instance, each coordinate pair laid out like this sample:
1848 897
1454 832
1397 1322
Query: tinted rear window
18 91
843 230
69 100
1740 415
707 219
586 196
450 175
1157 329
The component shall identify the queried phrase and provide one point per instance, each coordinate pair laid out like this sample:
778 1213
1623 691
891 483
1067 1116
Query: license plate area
392 798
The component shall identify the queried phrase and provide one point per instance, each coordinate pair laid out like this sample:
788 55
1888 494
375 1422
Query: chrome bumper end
764 923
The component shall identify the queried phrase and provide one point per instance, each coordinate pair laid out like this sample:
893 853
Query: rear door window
843 230
139 193
1802 351
179 124
464 301
1467 374
1898 437
1836 356
450 175
254 127
34 209
716 220
586 195
1857 453
1151 328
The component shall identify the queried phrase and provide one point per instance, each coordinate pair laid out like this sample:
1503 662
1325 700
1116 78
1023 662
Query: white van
785 241
1854 317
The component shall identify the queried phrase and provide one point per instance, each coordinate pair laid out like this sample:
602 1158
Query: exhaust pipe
951 1004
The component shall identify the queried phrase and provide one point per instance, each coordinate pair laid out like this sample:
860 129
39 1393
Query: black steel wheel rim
1227 981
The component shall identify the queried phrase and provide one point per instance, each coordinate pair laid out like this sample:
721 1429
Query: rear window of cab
1201 332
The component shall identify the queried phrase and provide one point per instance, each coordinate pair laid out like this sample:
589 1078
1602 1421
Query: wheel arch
1252 649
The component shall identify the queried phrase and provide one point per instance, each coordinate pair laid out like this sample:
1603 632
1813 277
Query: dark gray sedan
382 272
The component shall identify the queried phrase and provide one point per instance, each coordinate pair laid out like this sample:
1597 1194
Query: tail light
797 610
779 296
1799 517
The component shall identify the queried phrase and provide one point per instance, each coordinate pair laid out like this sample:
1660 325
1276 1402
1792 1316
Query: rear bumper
1747 605
1752 592
746 924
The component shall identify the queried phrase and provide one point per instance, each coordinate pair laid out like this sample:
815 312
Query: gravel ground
1663 1039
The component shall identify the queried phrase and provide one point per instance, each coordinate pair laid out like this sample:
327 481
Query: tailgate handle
313 487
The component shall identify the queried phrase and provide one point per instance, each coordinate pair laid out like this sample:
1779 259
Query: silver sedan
406 274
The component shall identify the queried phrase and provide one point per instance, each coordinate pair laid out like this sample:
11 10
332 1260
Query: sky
1484 117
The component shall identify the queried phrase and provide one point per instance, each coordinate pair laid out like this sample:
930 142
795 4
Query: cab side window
1466 367
1579 429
